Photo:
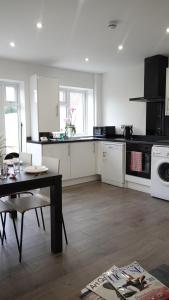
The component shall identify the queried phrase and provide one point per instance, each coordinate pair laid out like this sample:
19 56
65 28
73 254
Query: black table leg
56 216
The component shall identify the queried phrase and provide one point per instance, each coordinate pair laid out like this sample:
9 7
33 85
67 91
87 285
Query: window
76 108
10 115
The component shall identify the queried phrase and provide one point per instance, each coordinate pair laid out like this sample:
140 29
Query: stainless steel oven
138 159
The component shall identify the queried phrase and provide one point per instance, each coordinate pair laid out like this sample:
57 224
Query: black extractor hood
154 79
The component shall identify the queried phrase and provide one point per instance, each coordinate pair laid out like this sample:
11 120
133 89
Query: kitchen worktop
135 139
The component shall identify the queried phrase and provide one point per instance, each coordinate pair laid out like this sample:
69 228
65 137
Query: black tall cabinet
154 92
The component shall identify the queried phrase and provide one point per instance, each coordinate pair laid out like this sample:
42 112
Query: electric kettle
128 131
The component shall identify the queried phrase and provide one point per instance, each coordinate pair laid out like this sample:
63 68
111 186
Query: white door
113 162
83 159
62 152
10 124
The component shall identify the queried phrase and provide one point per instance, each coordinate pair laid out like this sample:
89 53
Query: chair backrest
53 164
26 158
12 155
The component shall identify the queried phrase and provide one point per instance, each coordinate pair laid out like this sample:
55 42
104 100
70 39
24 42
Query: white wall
119 85
20 71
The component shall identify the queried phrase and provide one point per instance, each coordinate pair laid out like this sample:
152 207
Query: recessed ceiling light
167 30
39 25
120 47
86 59
12 44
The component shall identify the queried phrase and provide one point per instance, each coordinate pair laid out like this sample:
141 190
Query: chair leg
21 238
1 237
4 227
1 233
64 229
42 218
37 217
16 234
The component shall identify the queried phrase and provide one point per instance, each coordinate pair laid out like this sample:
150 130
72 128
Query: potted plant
70 129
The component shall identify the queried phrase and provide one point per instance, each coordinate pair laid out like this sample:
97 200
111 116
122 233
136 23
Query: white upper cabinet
83 159
167 93
44 100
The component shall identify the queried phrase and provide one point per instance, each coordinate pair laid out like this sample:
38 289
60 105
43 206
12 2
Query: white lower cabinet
83 159
62 152
76 159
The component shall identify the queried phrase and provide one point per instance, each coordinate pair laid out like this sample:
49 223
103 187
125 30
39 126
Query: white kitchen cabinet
76 159
167 93
44 100
36 151
83 159
62 152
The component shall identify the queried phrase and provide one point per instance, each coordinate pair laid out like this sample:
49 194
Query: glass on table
16 166
3 171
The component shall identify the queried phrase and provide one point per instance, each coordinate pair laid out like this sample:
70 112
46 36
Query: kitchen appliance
160 172
127 131
113 163
104 131
154 79
138 159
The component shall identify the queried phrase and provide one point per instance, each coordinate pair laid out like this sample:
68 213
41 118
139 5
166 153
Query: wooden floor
106 225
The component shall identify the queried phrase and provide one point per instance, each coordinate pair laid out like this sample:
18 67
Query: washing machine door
163 171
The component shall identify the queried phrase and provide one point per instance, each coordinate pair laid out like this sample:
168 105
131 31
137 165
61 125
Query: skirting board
137 183
80 180
112 182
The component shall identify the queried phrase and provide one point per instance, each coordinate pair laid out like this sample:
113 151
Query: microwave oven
104 131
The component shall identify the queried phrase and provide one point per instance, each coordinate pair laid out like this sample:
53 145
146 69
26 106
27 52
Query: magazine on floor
102 287
133 282
86 294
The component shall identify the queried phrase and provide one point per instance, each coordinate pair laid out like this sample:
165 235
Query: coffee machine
127 131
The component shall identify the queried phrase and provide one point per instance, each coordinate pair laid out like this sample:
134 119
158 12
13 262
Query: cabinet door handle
94 150
104 154
57 110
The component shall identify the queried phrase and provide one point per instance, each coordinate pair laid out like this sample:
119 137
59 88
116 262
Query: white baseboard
138 183
132 182
80 180
112 182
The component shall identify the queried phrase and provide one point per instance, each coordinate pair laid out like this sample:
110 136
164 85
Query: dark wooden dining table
25 182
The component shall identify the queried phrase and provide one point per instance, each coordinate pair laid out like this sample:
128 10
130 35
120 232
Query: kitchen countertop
136 139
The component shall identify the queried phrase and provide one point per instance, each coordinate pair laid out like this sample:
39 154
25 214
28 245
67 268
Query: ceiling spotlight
12 44
167 30
120 47
86 59
39 25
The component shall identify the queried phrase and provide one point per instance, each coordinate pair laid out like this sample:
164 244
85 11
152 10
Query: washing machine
160 172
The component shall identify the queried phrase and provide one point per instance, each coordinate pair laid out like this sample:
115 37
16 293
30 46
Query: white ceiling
75 29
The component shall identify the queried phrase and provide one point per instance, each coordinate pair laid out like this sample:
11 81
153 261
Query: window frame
67 91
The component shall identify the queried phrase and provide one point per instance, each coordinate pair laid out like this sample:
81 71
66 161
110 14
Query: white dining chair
4 209
53 164
26 158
